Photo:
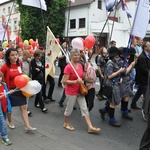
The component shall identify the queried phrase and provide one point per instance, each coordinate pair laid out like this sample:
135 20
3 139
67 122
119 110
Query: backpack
96 58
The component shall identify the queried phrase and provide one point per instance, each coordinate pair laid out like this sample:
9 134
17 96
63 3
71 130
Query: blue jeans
141 90
3 130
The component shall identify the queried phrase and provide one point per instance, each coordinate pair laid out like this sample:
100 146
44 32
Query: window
9 24
15 8
9 11
72 24
99 4
15 24
82 23
4 10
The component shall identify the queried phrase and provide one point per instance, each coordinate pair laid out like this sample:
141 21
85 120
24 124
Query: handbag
108 91
83 89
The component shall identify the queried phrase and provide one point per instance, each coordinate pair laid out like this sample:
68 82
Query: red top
73 89
10 73
3 100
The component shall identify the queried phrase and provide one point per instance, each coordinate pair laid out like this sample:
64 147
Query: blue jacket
9 108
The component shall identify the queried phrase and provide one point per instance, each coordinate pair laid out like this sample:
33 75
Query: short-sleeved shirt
112 67
73 89
14 71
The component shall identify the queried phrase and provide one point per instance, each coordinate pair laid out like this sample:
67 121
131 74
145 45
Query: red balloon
31 51
33 44
21 45
90 41
20 81
18 39
29 47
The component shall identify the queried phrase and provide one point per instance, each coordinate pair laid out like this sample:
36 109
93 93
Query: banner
52 50
72 1
125 8
141 19
35 3
110 4
3 33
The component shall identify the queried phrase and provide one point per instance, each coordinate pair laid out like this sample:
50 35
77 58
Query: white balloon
33 87
77 43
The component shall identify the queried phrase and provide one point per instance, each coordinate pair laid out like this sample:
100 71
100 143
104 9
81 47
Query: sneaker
99 97
135 107
104 97
101 111
127 116
6 141
61 104
145 116
115 123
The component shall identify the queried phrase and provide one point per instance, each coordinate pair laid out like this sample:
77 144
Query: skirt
17 99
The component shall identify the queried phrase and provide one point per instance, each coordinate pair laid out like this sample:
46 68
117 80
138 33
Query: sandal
68 127
93 130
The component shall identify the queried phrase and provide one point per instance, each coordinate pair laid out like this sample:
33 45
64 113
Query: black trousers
61 75
38 97
51 81
100 92
145 141
90 98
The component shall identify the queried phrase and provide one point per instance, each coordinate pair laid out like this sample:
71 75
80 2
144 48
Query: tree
34 21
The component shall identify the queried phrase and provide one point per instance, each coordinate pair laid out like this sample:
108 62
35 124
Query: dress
112 67
125 87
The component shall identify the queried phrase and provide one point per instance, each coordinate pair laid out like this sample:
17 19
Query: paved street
51 135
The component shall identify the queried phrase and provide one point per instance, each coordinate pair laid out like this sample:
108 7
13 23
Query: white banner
2 33
141 19
35 3
52 51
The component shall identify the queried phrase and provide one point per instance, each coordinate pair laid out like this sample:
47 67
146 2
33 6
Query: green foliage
34 21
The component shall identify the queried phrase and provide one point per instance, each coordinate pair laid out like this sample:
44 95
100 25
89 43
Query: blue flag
125 8
110 4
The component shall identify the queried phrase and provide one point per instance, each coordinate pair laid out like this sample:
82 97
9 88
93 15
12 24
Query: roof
81 2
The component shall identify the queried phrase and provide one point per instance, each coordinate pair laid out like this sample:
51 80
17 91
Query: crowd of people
120 71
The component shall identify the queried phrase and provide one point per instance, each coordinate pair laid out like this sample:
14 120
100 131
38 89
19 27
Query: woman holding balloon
12 68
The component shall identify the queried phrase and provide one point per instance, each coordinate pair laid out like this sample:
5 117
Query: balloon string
14 90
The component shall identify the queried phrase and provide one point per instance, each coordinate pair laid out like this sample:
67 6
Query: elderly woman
72 82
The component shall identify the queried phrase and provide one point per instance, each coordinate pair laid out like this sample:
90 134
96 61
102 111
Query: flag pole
42 18
68 19
104 27
112 27
63 52
8 20
100 35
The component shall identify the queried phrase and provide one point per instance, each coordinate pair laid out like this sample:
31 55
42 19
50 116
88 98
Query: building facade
89 17
85 17
9 9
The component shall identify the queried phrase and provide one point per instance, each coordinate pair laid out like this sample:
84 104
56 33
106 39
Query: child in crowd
4 108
